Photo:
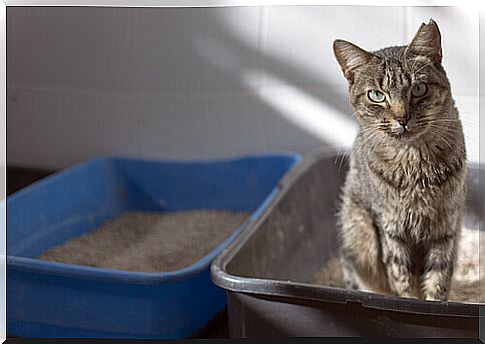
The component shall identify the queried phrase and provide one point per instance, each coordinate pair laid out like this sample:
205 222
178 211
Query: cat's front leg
397 260
438 269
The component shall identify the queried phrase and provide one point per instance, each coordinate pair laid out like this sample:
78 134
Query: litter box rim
306 291
296 157
72 271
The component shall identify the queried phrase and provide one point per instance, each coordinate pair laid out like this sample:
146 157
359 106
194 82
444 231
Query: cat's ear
349 56
426 42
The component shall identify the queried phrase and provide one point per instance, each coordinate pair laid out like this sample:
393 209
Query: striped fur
403 199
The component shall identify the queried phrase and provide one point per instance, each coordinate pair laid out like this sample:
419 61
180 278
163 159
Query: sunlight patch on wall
305 111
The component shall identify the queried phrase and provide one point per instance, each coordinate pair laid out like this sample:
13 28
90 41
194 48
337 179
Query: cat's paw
407 295
434 297
438 293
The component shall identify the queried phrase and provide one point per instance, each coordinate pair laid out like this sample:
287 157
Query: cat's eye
419 89
376 96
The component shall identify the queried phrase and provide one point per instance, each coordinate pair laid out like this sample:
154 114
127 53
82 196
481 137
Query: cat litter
149 242
466 281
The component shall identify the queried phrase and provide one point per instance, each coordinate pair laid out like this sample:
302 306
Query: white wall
202 82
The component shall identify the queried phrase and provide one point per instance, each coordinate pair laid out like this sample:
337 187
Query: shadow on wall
315 107
310 111
178 83
305 96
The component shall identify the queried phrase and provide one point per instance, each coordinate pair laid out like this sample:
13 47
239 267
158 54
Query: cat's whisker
442 135
342 154
443 120
451 132
361 144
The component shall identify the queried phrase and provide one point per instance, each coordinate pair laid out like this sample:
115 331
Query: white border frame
478 5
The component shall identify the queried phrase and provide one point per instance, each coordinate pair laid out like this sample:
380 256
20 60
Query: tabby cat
403 199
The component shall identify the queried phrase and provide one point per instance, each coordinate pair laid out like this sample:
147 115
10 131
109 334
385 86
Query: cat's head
401 91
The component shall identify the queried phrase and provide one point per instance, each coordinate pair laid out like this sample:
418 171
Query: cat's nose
400 112
403 120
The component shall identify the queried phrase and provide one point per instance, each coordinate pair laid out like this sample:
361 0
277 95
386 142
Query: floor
18 177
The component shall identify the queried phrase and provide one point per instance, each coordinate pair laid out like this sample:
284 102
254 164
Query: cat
401 206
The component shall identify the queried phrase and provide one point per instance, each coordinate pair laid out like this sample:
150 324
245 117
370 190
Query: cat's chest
412 193
410 173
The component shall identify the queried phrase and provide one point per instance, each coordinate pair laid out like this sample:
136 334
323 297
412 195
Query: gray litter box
266 271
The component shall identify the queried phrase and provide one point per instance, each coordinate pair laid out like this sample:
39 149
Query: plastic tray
268 269
48 299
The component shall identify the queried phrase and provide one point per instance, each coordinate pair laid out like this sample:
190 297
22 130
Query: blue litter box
48 299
